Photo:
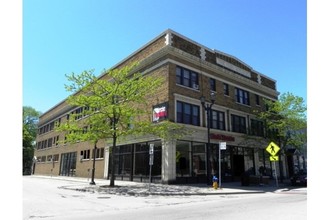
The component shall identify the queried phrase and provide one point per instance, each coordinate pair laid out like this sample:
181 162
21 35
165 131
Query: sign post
222 146
151 161
272 149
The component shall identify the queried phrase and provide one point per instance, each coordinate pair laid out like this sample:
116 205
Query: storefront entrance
68 164
238 165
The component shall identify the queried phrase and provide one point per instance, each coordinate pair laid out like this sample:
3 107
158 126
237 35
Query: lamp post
207 107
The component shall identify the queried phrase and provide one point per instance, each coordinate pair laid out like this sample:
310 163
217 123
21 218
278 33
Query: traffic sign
272 149
223 145
273 158
151 149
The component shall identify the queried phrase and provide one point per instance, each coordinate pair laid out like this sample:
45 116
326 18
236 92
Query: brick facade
160 57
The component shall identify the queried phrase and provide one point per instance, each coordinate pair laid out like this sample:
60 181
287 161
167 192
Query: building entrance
68 164
238 165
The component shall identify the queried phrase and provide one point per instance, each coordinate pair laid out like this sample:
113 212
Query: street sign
272 149
273 158
151 149
223 145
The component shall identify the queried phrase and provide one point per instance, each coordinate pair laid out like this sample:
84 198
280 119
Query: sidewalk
142 189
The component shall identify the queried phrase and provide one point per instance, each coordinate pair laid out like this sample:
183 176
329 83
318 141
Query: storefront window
226 171
249 160
142 159
125 160
183 152
157 164
199 157
265 162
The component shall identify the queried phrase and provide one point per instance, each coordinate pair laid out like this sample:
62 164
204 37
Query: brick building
192 71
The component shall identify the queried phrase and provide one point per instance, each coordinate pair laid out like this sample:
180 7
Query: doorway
238 165
68 164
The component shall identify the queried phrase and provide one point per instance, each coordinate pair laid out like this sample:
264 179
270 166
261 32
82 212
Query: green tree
30 120
113 107
285 121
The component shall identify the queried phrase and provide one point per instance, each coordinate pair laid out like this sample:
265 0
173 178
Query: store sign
159 112
222 137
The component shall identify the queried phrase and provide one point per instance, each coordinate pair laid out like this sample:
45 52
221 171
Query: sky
62 37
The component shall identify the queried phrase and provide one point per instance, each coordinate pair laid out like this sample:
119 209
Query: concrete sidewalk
144 189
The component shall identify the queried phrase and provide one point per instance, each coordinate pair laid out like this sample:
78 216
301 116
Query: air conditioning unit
195 86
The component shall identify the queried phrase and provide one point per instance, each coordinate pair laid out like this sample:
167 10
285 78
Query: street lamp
207 107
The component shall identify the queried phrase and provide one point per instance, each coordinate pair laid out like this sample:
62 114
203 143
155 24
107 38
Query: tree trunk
112 179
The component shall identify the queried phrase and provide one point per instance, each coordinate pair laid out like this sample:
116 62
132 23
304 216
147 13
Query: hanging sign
159 112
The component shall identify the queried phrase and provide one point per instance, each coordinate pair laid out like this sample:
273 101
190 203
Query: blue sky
61 37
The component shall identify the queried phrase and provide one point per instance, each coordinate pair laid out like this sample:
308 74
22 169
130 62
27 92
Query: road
46 199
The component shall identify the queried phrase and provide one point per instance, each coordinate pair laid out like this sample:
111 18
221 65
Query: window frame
238 124
187 78
217 123
213 84
226 89
242 96
187 113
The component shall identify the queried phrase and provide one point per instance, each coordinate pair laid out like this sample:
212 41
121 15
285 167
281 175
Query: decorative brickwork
145 52
210 57
186 46
268 83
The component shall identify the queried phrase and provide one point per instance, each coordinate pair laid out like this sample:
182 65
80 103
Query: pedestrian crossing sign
273 158
272 149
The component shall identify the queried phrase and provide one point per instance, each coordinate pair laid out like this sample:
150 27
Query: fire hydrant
215 182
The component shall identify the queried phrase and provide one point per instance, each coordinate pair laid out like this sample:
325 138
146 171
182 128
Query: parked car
299 179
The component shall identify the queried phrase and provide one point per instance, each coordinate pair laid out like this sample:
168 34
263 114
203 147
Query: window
50 142
55 140
225 88
257 128
84 154
55 157
187 113
212 84
44 144
238 124
242 96
50 158
183 158
257 100
218 120
187 77
78 113
51 126
99 153
85 129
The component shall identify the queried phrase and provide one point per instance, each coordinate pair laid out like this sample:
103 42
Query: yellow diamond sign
272 149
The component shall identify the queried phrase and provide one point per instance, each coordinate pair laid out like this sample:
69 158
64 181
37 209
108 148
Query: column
168 161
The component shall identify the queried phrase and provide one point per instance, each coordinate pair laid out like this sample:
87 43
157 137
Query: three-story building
195 77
